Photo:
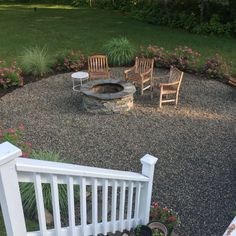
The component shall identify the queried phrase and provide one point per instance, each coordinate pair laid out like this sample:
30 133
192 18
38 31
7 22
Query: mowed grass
65 27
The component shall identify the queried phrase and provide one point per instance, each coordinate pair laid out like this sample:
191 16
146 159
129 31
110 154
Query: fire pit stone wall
108 96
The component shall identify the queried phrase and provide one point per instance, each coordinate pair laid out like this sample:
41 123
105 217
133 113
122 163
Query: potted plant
158 229
142 230
164 215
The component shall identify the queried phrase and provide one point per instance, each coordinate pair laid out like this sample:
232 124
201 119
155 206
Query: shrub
35 61
10 75
184 58
69 61
159 54
216 68
15 136
214 26
120 51
28 192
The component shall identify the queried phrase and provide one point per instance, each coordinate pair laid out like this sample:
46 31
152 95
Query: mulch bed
195 144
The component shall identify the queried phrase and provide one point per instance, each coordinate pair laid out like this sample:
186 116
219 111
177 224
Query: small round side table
79 77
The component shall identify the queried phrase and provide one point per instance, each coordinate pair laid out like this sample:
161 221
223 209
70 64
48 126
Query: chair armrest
129 69
161 77
169 84
146 73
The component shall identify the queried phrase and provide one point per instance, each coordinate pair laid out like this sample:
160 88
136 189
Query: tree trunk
202 10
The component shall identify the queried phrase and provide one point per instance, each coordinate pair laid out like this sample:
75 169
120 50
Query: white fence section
130 195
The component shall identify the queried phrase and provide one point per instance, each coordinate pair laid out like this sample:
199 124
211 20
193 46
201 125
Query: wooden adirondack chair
171 88
141 73
98 67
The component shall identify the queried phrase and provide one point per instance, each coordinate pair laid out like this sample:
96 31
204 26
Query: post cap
8 152
149 159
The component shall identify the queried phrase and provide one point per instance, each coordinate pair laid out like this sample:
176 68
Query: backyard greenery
27 189
120 51
31 226
65 27
35 61
37 40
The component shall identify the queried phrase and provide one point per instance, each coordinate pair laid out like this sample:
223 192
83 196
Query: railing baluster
130 203
95 206
83 206
71 205
137 202
40 204
104 205
55 205
122 205
114 204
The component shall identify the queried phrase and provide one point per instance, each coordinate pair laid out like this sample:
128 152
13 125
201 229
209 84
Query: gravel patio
195 144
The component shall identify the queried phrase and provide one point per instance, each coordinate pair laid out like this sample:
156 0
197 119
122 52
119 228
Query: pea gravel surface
195 144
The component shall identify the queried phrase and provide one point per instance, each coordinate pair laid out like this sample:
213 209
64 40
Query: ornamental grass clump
10 75
36 61
28 191
120 51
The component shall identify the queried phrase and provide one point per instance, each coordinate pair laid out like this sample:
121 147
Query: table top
80 75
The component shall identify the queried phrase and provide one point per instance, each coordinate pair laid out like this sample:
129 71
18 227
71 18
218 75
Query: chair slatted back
175 76
98 63
143 65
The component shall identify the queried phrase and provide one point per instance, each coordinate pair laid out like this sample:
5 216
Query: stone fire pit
108 96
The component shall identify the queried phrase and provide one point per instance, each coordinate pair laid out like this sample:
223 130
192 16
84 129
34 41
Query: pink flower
28 144
165 209
21 127
11 130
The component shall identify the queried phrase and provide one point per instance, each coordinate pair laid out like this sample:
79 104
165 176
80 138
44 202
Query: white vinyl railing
128 193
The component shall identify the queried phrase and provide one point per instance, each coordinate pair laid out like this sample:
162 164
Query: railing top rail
47 167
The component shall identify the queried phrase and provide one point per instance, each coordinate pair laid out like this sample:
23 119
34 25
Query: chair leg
176 99
160 102
151 93
176 102
141 90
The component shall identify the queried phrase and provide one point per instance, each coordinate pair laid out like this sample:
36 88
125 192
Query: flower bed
15 136
10 75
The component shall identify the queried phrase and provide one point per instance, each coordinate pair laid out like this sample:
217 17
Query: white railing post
10 199
148 163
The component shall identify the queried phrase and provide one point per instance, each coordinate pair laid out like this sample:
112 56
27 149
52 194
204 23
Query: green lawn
87 29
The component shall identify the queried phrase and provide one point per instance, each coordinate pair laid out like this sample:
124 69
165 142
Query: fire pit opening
107 88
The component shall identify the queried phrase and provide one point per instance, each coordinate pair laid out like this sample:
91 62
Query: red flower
24 154
155 205
171 218
165 209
